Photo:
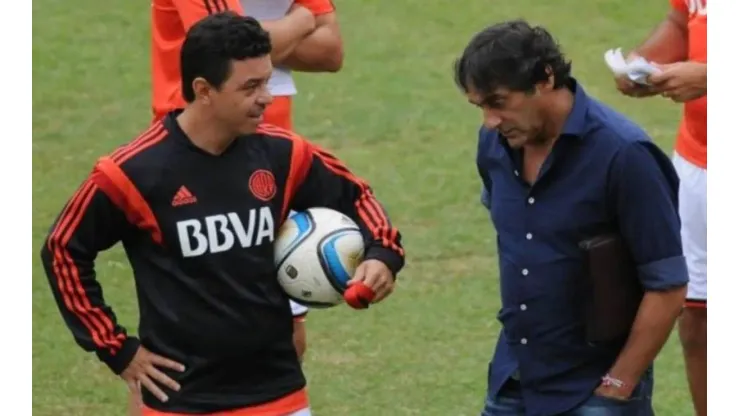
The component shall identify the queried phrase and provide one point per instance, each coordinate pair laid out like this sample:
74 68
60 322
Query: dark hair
513 55
214 42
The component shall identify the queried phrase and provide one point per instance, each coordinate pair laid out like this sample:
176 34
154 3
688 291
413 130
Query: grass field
394 115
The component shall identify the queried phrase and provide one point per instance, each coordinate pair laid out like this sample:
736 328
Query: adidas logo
183 197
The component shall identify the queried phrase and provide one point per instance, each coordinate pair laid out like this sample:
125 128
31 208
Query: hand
135 404
618 389
377 276
630 88
612 392
302 17
681 81
142 372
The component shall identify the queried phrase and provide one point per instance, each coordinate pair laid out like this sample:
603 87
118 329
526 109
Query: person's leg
693 332
692 325
299 327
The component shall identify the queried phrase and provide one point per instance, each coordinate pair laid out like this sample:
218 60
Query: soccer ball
316 254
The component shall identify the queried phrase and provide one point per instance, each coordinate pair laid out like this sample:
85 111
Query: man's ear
202 90
549 83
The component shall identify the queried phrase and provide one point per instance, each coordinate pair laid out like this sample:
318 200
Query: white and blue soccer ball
316 254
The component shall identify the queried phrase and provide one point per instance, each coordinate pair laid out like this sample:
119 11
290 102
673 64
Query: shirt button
530 200
524 341
525 272
516 173
523 307
529 236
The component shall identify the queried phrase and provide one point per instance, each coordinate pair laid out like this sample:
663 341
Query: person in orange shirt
320 51
679 46
304 33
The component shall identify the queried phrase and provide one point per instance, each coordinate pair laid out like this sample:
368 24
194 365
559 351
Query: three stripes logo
215 6
183 197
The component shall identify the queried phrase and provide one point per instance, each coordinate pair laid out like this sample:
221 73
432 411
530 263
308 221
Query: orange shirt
691 142
171 20
317 7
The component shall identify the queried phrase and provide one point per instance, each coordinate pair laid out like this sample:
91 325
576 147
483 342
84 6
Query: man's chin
516 141
250 125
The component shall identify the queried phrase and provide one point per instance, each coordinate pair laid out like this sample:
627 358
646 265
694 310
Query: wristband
609 381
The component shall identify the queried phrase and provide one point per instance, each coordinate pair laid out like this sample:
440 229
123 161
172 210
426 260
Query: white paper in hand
636 70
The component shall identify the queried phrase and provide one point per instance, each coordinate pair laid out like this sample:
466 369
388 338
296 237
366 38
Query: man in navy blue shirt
557 166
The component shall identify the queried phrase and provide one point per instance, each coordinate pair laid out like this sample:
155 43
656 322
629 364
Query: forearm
91 322
384 240
668 43
321 51
655 320
285 37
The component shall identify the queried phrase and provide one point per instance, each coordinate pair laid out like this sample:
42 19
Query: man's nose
491 119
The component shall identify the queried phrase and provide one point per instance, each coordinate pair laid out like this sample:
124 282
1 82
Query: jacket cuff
390 258
118 360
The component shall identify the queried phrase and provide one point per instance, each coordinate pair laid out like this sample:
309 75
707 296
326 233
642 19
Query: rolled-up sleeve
664 273
643 187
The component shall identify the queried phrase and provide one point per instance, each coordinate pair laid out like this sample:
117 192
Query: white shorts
692 207
302 412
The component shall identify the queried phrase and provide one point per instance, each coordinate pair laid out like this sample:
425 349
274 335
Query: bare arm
653 324
669 41
287 33
322 50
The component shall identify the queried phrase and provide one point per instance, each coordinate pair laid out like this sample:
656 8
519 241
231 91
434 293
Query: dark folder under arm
612 288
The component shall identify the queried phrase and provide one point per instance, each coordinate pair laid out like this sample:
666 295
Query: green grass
394 115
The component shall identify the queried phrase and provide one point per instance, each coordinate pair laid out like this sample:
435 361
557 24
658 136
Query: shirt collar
575 124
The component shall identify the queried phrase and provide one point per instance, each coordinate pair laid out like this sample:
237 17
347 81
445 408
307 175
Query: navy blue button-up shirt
603 172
